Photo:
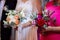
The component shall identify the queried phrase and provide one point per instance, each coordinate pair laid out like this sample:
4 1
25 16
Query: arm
53 29
18 8
27 24
37 5
24 25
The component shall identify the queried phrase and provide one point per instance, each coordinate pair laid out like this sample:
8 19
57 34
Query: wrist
49 29
33 22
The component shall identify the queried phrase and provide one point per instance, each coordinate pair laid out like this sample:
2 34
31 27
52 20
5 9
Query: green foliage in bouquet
33 16
11 12
11 15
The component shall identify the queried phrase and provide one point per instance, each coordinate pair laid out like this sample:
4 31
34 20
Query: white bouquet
12 18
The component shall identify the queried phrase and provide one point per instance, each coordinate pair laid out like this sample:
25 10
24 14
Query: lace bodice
27 11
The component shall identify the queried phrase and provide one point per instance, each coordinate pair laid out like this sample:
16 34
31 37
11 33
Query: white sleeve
1 7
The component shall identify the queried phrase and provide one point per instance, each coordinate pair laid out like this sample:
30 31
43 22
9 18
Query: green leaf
5 22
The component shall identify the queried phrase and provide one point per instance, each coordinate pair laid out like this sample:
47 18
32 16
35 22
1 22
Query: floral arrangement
12 18
39 20
44 19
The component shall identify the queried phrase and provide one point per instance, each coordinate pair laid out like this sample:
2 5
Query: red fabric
40 22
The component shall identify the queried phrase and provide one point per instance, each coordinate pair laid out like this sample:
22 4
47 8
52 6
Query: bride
27 31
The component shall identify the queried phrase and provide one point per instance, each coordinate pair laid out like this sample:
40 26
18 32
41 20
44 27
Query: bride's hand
5 8
27 24
15 26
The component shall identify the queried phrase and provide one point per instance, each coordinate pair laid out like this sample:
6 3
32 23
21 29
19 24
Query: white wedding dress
30 32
